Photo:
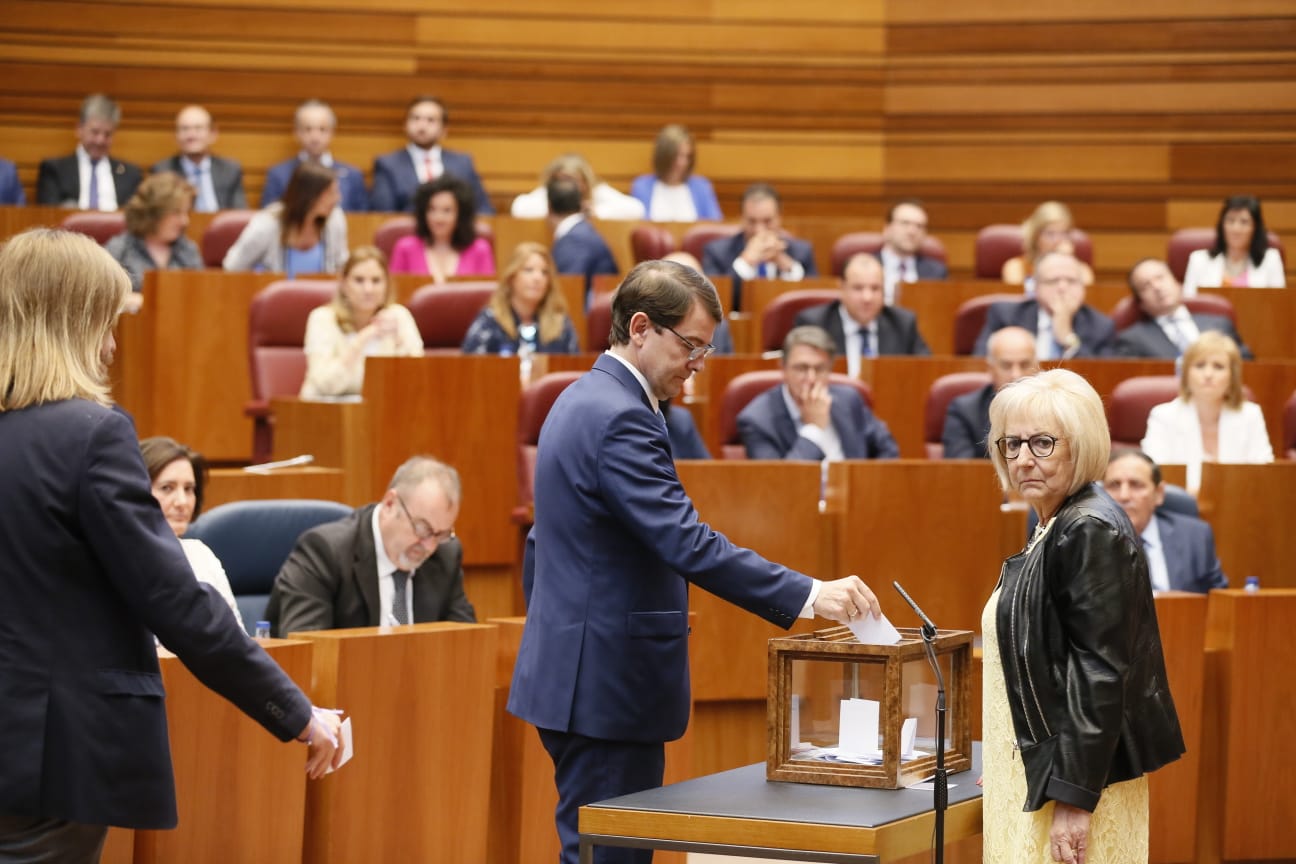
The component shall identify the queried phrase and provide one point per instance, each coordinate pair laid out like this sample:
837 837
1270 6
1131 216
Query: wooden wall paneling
900 386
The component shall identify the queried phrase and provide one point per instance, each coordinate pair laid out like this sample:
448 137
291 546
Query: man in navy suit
1180 548
1167 328
219 182
11 190
805 417
313 126
1063 324
860 323
1011 355
602 670
397 175
90 178
578 249
759 251
901 254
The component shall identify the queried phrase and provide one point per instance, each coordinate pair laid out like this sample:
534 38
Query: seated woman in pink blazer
1210 421
445 242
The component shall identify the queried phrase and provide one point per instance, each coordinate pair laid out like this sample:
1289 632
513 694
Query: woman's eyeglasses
1040 445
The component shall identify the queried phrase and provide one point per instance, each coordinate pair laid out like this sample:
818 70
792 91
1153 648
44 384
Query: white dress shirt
895 270
199 175
1180 328
386 584
422 158
672 203
825 438
1155 552
851 330
102 178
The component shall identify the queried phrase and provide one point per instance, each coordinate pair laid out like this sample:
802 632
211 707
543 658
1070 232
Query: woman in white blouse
1241 256
363 320
177 476
601 200
1210 421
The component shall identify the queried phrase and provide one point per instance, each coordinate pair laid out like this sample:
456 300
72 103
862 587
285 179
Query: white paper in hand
344 743
874 631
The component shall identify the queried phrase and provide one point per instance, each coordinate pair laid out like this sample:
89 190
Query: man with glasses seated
394 562
806 417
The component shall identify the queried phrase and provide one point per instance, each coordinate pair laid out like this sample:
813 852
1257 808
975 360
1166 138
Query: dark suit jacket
11 190
582 250
1145 338
897 329
395 180
89 573
350 182
1096 331
930 268
58 182
1189 546
616 541
967 423
768 431
227 179
718 257
330 581
686 441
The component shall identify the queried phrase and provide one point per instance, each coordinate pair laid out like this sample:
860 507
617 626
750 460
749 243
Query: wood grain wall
1140 115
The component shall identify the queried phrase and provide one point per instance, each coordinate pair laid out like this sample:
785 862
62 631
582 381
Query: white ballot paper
344 743
874 631
858 727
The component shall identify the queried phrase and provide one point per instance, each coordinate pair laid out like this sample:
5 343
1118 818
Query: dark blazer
768 431
227 179
89 573
330 581
686 441
58 182
1096 331
616 543
967 423
1146 338
930 268
718 257
395 180
582 250
11 190
1189 547
350 182
897 329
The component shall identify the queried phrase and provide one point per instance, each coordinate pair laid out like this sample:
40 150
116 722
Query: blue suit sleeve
382 199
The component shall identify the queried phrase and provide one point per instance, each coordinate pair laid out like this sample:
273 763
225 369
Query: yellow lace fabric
1118 833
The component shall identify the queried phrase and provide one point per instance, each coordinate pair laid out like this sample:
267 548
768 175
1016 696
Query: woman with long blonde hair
527 310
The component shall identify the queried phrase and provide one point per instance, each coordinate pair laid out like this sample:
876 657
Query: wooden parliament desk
236 484
739 812
1250 507
421 700
240 792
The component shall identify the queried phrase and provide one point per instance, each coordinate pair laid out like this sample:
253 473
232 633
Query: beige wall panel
158 55
928 11
1114 98
1012 163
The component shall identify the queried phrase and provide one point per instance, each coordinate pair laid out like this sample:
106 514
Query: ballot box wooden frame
838 645
421 699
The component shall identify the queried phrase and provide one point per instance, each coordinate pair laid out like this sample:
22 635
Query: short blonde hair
1062 397
571 165
60 294
552 314
1214 342
160 194
1045 214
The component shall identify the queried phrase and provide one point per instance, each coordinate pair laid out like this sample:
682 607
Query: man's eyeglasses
1041 445
422 530
696 352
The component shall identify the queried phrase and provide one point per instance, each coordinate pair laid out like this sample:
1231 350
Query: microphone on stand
940 789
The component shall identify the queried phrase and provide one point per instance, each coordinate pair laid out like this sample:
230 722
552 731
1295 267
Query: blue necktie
93 202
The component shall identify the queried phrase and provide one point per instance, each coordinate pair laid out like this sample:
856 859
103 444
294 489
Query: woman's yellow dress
1118 833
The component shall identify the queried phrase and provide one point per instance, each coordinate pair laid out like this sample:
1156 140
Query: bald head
862 288
195 132
1010 354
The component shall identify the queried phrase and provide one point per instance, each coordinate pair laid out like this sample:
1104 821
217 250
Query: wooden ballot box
815 677
421 699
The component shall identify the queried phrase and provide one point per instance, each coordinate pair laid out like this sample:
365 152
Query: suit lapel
365 571
1172 548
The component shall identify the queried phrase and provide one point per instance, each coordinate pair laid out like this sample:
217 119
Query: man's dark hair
665 292
912 202
564 196
435 100
762 190
465 230
1122 452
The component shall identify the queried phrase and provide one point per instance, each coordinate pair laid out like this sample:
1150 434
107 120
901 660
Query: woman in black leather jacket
1077 706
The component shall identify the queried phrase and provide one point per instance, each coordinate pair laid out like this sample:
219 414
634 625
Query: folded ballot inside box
845 713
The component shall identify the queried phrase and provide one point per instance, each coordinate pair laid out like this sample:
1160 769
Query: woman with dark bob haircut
1076 705
1241 256
445 242
177 476
91 572
156 218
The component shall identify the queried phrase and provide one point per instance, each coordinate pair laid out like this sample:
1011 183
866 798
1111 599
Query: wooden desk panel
773 508
421 699
1173 790
1266 319
336 434
1248 506
241 793
234 484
